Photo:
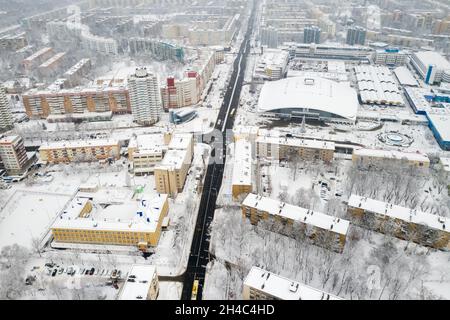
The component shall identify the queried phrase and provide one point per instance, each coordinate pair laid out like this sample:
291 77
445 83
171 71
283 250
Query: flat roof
317 219
433 58
136 216
143 276
283 288
78 144
297 142
9 139
38 53
398 212
180 141
391 154
148 143
442 124
242 163
405 77
314 93
173 159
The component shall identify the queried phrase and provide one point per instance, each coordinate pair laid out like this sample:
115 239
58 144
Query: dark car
91 272
54 272
86 272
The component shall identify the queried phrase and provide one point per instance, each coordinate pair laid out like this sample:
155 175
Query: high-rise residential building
145 97
356 35
311 34
13 154
6 119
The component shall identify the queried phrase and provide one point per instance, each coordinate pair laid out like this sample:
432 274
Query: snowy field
27 215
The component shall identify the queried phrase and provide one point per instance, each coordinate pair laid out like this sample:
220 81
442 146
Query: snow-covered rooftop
141 277
405 77
283 288
173 159
442 124
445 163
296 142
180 141
376 85
314 93
242 164
78 144
148 143
433 58
392 154
314 218
138 216
398 212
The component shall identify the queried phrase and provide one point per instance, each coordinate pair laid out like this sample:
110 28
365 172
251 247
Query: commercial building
377 156
6 118
313 98
408 224
260 284
13 155
311 34
436 107
271 65
145 97
390 57
242 168
284 148
140 284
170 174
328 51
42 103
405 77
356 35
377 86
182 116
134 223
320 229
431 66
79 150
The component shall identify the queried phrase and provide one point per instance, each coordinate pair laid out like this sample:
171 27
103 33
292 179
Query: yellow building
377 156
404 223
170 175
242 169
68 151
136 223
321 229
284 148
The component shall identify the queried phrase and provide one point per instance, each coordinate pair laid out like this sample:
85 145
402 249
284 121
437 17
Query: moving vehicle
194 290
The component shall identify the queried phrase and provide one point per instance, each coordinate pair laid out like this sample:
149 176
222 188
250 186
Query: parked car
55 271
91 272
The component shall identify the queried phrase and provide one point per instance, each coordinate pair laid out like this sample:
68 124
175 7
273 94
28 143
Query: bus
194 290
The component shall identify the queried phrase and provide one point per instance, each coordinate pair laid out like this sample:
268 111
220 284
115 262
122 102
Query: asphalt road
199 255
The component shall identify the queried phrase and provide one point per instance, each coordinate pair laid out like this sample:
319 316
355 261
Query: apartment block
42 103
404 223
79 150
377 156
284 148
147 151
321 229
134 223
260 284
170 174
242 169
13 154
